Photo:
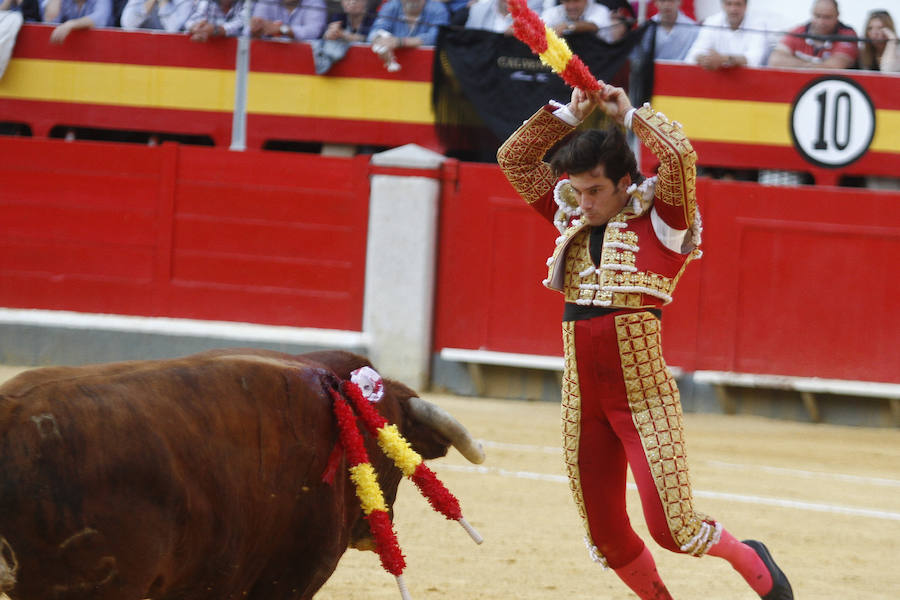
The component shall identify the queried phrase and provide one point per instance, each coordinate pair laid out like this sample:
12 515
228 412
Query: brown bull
195 478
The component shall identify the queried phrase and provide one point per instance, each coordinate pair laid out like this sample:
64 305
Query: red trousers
621 406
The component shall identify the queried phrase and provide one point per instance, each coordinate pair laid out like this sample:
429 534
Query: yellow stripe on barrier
118 84
716 120
763 123
887 126
213 90
340 98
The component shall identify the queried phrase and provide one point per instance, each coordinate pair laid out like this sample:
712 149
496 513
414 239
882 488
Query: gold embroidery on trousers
656 412
571 432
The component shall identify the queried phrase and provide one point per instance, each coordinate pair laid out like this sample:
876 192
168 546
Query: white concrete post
400 263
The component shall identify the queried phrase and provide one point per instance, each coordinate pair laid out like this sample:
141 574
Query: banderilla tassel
368 491
408 460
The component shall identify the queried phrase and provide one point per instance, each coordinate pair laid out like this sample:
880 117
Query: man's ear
623 183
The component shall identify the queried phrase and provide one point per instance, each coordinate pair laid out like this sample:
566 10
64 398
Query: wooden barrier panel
800 281
184 232
793 281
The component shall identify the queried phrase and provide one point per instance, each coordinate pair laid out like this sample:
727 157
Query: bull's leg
81 567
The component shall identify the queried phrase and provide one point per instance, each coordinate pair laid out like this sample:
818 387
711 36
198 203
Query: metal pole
241 67
642 11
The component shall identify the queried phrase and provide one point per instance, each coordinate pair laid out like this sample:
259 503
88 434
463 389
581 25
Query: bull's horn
445 424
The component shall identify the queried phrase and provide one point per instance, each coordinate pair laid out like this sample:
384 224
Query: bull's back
158 475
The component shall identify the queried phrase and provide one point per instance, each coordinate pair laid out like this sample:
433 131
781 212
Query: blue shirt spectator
60 11
455 5
73 15
412 22
675 31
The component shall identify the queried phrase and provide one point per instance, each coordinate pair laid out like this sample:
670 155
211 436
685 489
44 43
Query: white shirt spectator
598 14
487 15
749 40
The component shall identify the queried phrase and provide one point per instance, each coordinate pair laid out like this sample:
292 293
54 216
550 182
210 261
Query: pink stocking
641 576
745 561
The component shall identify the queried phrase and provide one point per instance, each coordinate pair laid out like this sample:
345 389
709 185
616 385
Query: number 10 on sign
832 122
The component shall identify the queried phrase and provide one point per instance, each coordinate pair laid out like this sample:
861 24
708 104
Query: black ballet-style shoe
781 587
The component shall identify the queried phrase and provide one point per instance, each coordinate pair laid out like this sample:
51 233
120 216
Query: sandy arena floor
825 499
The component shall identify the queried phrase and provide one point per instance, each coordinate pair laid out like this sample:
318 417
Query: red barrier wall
800 281
183 232
793 281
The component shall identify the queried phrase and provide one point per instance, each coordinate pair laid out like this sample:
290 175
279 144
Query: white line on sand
856 479
747 499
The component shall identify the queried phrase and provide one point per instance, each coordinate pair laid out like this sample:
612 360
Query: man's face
875 30
574 8
668 10
824 18
354 7
413 7
599 197
734 12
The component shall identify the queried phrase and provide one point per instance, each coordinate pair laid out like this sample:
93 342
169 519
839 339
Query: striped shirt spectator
215 19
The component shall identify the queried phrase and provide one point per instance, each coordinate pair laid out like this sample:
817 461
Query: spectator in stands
215 18
879 51
352 24
168 15
409 23
675 31
301 20
406 24
490 15
621 21
30 9
822 43
455 6
730 38
484 11
75 14
10 24
580 16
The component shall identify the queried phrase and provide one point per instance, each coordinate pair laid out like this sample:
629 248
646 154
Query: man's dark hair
587 149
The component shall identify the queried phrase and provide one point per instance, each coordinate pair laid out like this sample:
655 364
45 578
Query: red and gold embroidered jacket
645 247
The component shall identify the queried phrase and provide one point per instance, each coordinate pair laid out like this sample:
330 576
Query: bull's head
429 429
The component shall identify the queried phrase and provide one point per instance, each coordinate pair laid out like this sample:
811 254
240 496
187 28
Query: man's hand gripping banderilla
613 101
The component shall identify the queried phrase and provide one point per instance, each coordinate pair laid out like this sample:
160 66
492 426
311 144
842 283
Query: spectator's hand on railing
710 61
61 32
202 31
260 27
383 45
257 27
334 31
